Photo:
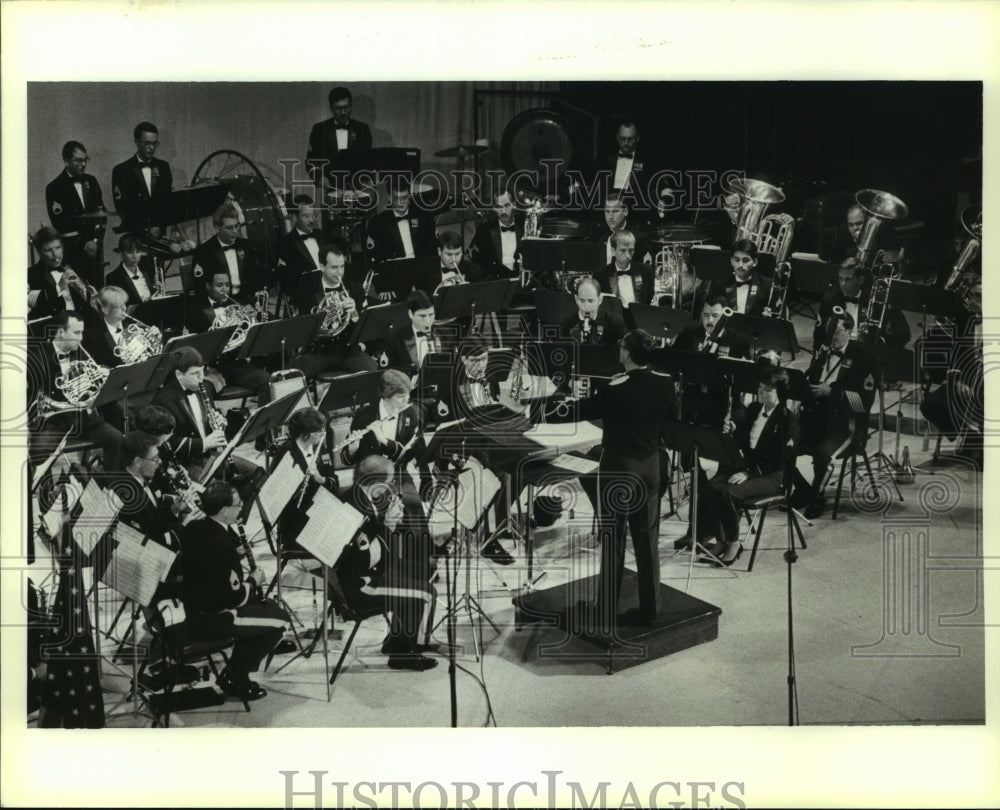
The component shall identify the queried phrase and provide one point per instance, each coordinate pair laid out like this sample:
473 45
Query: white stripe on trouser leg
411 593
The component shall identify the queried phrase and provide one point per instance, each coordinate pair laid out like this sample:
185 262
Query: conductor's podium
683 621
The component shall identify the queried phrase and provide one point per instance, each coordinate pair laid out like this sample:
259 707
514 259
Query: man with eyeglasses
337 142
141 180
72 193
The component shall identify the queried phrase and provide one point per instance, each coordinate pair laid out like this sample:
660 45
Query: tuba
879 207
755 196
139 342
962 281
82 381
242 316
336 306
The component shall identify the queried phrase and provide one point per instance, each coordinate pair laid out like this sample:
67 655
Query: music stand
926 300
208 344
761 333
554 308
351 390
662 323
375 322
147 375
563 255
163 313
397 277
700 442
895 366
711 264
481 298
271 337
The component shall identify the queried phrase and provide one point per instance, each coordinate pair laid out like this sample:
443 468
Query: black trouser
257 627
409 602
626 487
720 503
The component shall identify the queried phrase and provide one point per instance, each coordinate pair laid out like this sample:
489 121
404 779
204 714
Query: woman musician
768 436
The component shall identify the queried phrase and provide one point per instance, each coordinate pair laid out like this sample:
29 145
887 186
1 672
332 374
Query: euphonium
338 312
82 381
879 207
139 342
755 196
242 316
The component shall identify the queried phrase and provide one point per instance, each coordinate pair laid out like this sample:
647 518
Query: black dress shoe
815 508
728 557
497 553
230 688
682 543
417 663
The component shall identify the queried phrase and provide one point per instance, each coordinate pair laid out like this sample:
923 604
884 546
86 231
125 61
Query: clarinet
241 534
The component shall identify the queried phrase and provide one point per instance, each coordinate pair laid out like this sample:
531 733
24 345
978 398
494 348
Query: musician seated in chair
134 273
368 573
616 218
767 435
406 347
839 367
697 337
58 407
852 295
211 306
630 280
496 245
52 285
199 427
298 250
230 253
327 291
847 247
401 231
591 324
170 477
746 291
453 267
220 599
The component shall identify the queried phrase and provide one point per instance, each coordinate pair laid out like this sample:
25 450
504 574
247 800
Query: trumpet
368 282
82 381
242 316
451 281
159 279
139 342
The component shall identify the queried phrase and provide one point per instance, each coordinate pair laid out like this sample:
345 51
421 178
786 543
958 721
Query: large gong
263 216
534 136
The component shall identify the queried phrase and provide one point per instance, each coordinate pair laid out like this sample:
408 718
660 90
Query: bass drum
263 215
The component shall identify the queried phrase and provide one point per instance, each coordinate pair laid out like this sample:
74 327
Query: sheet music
477 486
582 466
332 525
279 487
137 565
98 510
52 521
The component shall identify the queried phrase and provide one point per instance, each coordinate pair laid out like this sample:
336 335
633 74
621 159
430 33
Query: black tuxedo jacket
692 336
294 259
602 234
49 301
643 280
401 346
323 143
606 329
186 443
308 292
638 180
384 241
209 258
44 368
407 424
776 445
487 250
132 197
155 520
760 291
120 277
63 205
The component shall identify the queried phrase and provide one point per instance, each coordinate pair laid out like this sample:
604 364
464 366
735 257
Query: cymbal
462 150
98 215
348 196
